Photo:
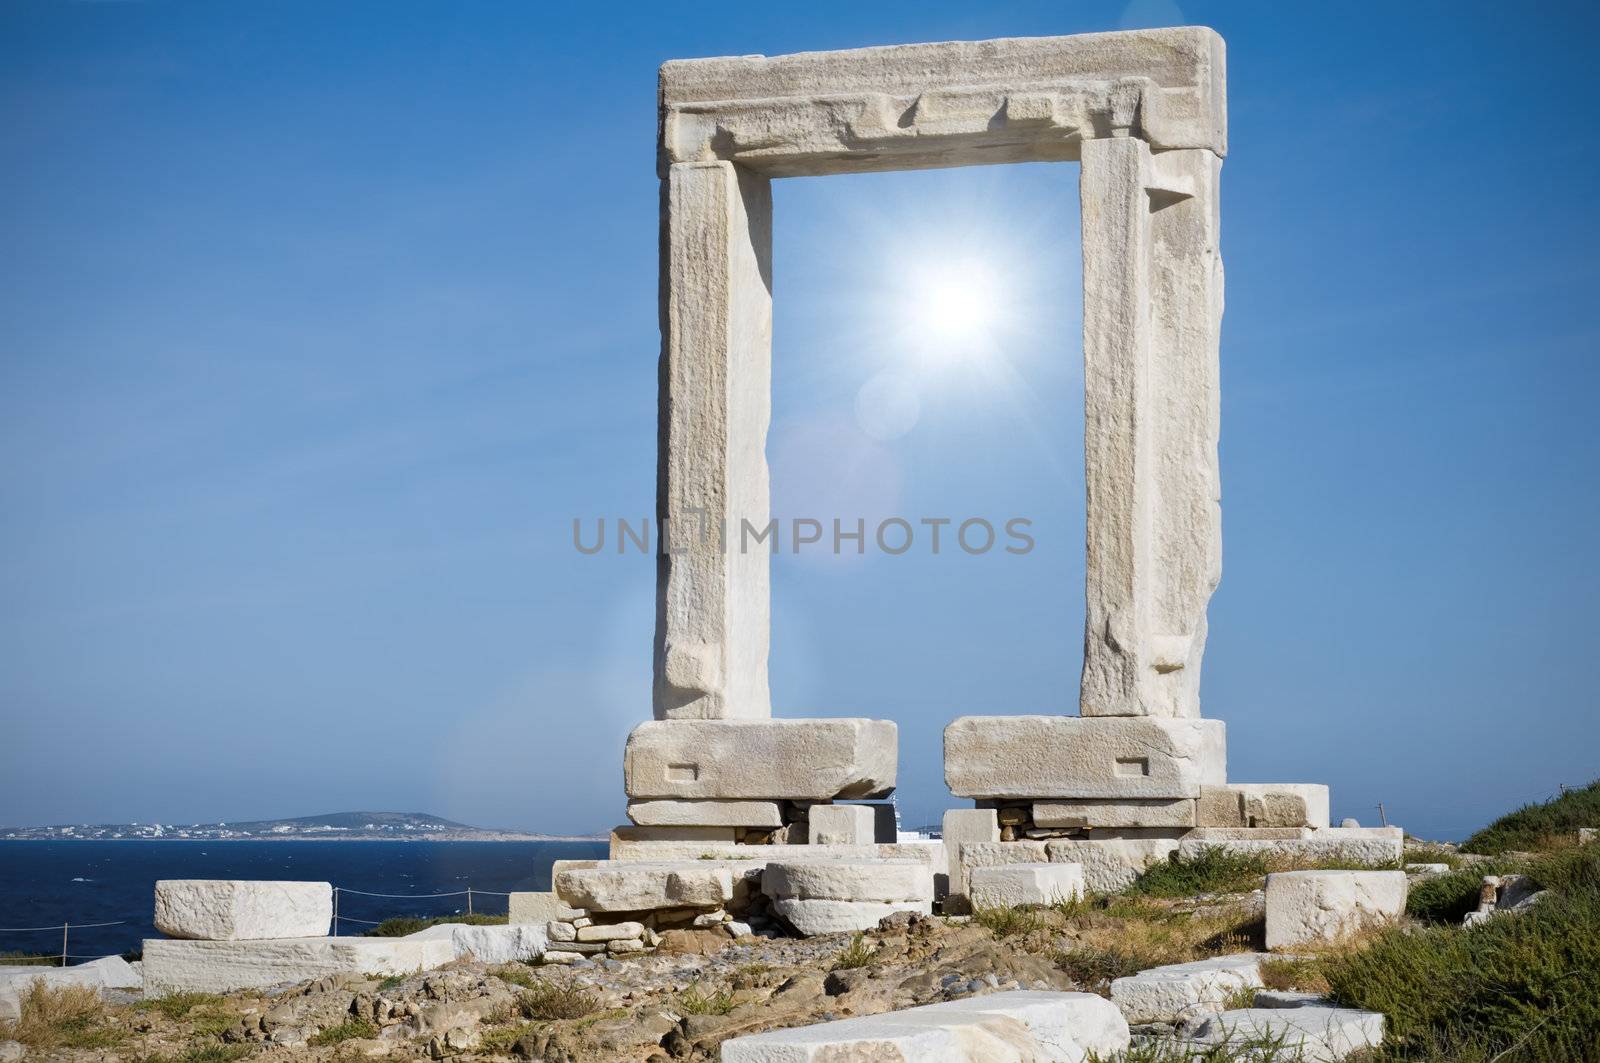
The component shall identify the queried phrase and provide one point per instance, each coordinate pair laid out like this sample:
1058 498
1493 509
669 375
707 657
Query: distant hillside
343 826
1534 827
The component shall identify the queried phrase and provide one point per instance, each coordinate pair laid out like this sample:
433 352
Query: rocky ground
680 1003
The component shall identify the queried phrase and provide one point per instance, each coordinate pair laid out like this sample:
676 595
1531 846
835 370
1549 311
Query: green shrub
345 1031
29 959
1445 898
401 925
1521 988
1213 871
1095 969
1539 826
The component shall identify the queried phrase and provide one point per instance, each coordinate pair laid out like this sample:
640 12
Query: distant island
335 826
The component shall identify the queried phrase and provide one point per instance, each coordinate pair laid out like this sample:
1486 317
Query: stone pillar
1152 281
712 597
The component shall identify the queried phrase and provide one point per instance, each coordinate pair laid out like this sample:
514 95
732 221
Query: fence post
336 911
469 900
1381 817
64 943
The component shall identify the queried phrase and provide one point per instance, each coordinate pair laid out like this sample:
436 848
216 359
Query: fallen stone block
240 910
842 825
1015 1026
610 931
1428 870
846 880
108 972
563 958
1154 812
1113 757
1315 1035
645 887
1313 907
1289 998
1185 990
1375 846
812 916
537 907
1263 805
224 966
815 759
669 813
1011 885
1113 858
488 944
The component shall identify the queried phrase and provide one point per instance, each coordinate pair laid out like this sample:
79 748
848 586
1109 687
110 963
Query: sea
44 884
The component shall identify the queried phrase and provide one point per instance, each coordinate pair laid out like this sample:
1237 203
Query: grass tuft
69 1016
859 953
1007 922
1213 871
549 1000
695 1001
348 1030
517 974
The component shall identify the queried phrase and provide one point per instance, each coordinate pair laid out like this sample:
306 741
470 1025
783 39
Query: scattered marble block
488 944
1012 885
1289 998
1263 805
842 825
1314 907
1108 757
240 910
828 897
1016 1026
1154 812
1185 990
705 813
1376 846
108 972
642 887
224 966
1428 870
1588 834
815 759
539 907
1317 1035
810 917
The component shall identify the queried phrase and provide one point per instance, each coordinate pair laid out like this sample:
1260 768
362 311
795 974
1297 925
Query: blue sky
320 323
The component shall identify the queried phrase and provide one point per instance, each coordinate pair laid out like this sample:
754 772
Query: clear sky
319 324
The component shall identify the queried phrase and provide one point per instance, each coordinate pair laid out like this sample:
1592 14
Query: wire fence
65 929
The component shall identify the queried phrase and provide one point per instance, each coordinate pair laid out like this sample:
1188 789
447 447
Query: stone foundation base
224 966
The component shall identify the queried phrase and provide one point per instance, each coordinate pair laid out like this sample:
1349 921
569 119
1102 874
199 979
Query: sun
953 308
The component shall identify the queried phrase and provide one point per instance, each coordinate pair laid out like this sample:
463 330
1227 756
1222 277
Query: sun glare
953 309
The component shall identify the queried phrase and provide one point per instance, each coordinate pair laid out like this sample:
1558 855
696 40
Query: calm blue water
44 883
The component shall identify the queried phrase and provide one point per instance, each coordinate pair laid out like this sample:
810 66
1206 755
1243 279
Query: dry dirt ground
680 1003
